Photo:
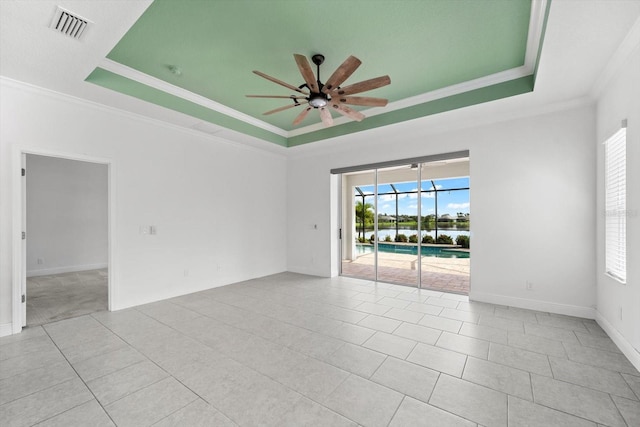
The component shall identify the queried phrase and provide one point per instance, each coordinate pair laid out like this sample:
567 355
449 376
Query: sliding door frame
375 168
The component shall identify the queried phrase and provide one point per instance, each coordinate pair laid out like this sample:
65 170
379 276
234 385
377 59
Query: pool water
429 251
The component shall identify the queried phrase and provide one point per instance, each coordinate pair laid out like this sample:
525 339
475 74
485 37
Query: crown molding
191 130
145 79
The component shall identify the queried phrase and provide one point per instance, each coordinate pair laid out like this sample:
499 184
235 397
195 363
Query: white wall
219 208
66 215
621 100
532 197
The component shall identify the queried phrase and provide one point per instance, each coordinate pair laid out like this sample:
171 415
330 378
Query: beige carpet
66 295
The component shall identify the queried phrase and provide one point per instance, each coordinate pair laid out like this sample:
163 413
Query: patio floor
441 274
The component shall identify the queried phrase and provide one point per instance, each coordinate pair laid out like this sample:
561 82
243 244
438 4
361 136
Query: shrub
362 240
413 238
427 239
387 238
372 238
444 239
463 241
401 238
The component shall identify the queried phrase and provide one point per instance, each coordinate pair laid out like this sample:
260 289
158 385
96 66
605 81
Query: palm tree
364 215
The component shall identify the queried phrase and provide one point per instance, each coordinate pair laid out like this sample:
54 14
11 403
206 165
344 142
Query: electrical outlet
40 261
529 285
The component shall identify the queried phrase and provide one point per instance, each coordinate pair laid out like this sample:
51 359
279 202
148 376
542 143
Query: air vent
69 24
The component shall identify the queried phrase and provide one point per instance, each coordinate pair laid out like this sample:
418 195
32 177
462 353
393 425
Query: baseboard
622 343
67 269
308 271
6 329
531 304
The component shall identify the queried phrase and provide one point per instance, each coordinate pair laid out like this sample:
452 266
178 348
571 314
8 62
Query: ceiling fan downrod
319 99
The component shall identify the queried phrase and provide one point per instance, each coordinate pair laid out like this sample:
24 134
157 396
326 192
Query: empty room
320 213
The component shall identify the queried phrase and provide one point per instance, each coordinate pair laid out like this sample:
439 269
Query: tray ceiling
440 55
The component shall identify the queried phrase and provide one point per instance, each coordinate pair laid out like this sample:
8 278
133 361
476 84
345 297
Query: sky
448 202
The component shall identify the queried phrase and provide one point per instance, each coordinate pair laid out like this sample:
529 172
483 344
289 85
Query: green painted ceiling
422 45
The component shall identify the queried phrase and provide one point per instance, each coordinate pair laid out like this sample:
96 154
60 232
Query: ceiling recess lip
69 24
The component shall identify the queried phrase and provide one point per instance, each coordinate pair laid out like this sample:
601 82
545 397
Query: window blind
615 205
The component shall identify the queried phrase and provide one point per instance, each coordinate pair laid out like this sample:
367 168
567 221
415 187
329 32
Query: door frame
19 265
382 165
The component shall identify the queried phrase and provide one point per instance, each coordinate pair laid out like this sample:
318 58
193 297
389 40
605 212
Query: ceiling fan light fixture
318 101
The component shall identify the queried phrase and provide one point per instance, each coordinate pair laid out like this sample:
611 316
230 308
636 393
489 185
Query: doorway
66 245
409 224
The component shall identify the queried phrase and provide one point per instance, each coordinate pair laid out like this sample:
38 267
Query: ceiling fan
313 94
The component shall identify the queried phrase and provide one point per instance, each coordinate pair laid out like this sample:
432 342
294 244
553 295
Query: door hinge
340 234
24 235
24 171
24 298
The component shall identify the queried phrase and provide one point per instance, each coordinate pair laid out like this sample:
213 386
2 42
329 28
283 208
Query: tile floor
294 350
65 295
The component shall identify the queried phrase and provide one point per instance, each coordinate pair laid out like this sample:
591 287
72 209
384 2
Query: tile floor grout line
446 410
466 359
575 415
397 409
117 370
318 360
246 366
21 341
38 391
170 375
132 392
64 412
80 378
618 409
180 409
629 385
583 386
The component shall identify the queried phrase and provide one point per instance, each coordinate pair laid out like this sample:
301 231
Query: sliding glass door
398 225
408 225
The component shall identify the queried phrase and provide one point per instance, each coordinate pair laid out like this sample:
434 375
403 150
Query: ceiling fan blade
277 110
325 115
362 86
346 111
363 100
280 82
307 72
342 73
277 96
301 116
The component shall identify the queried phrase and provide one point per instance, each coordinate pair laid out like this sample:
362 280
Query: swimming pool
429 251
